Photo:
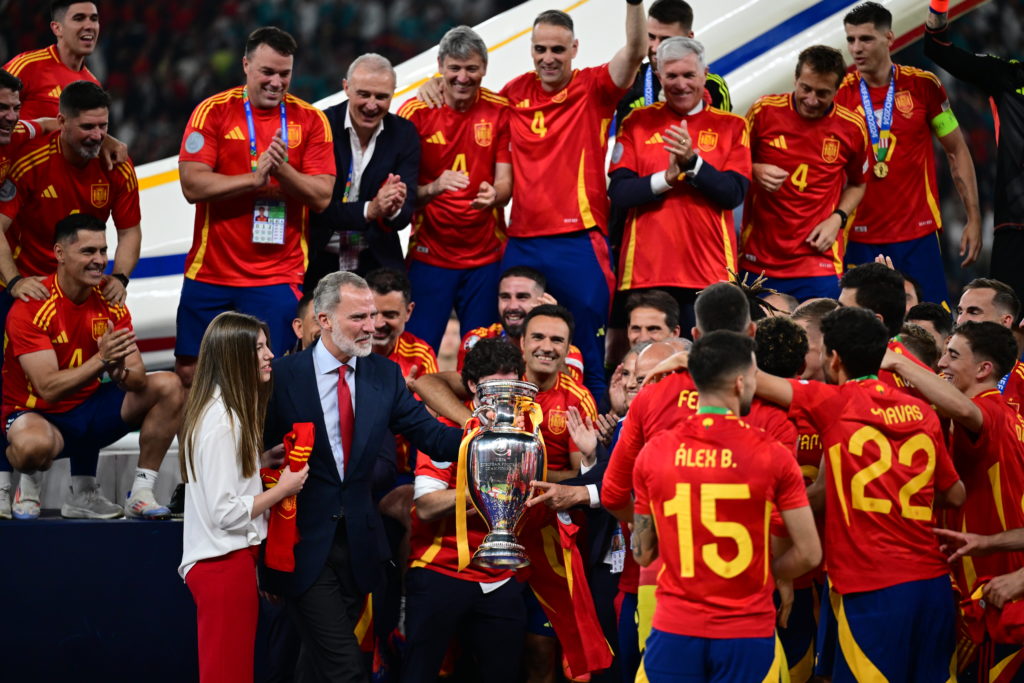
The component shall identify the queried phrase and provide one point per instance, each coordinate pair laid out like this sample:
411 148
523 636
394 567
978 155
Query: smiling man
48 71
809 158
465 180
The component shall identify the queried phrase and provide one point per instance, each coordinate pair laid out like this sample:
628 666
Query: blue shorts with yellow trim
671 658
804 288
826 639
798 638
905 632
921 259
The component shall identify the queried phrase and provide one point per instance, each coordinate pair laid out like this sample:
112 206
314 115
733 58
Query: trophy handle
480 414
536 415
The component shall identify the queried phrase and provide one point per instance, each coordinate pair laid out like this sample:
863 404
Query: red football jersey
447 232
662 406
43 78
821 156
555 403
409 351
905 204
710 485
1014 388
72 331
573 358
895 381
683 239
217 134
22 136
48 188
559 144
808 457
886 458
991 464
433 544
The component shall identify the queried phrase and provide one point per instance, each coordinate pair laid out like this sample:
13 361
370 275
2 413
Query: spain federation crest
99 327
556 421
294 135
707 140
830 150
99 195
904 102
483 134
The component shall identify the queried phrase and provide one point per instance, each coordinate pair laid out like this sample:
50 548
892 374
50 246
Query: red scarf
282 534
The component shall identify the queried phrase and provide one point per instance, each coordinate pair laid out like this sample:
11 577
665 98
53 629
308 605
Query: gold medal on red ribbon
881 170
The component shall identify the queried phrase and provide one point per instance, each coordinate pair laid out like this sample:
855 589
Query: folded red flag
282 534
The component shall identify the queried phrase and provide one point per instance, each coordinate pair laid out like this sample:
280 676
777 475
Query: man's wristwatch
122 277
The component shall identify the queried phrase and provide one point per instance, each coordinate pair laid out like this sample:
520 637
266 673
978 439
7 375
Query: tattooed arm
644 540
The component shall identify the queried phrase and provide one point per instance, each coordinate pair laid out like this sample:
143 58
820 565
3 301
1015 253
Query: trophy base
500 551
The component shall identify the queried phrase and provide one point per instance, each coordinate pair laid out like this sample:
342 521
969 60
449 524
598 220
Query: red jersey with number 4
682 239
447 231
710 485
43 78
48 188
821 156
573 359
409 351
72 331
559 145
904 205
886 458
1014 388
217 135
555 403
433 545
991 464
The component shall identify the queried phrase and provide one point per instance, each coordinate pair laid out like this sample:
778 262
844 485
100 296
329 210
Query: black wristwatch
122 277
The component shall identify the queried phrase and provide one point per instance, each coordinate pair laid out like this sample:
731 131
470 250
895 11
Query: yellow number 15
680 507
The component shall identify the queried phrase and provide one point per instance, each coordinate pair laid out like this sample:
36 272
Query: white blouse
218 499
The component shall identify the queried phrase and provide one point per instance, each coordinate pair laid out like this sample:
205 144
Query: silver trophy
502 460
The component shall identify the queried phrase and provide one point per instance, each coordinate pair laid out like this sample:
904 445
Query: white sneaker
90 505
25 507
142 505
5 503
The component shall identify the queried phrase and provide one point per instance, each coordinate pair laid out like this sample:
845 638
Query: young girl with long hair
225 504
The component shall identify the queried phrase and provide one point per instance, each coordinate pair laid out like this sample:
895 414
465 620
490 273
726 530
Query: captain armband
945 123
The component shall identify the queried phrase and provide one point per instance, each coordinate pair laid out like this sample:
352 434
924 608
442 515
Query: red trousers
227 608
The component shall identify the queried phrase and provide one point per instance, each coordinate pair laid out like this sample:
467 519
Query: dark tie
346 418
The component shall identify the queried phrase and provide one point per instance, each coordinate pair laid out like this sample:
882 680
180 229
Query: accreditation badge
268 216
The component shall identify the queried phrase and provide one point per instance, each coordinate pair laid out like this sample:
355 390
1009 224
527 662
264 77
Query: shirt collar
349 127
325 361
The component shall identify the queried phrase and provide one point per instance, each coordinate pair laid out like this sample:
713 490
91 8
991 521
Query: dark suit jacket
397 151
600 523
383 405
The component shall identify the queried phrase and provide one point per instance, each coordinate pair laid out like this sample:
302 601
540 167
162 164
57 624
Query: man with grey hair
378 157
465 178
680 168
355 399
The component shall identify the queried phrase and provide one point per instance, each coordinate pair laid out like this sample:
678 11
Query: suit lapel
368 387
305 397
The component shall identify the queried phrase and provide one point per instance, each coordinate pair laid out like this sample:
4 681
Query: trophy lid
509 388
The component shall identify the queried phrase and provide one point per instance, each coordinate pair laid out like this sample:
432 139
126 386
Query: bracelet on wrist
843 216
634 2
122 277
13 281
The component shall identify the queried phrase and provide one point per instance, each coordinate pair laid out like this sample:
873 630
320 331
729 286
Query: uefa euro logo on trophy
499 460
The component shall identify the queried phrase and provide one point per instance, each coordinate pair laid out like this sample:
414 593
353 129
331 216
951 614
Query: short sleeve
945 473
318 154
739 149
857 165
936 99
503 140
807 399
642 502
126 211
790 492
624 153
22 334
601 78
201 140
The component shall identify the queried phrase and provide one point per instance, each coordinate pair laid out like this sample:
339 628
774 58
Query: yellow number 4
538 124
799 177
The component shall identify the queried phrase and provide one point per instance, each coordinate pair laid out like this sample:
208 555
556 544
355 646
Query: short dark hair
781 346
672 12
279 41
933 313
919 342
918 292
879 289
554 17
303 305
858 337
822 59
82 96
717 357
387 280
722 306
659 301
527 272
9 81
67 228
491 357
814 310
58 8
991 341
1005 299
869 13
551 311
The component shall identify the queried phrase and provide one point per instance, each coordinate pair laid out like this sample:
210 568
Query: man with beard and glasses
520 289
354 398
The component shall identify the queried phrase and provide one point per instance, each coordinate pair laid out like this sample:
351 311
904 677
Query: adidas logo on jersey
655 139
437 139
62 338
523 103
55 93
234 134
778 142
49 193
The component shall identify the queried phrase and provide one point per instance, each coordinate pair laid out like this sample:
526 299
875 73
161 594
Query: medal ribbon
253 157
877 140
649 85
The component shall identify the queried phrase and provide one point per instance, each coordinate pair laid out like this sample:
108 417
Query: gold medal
881 170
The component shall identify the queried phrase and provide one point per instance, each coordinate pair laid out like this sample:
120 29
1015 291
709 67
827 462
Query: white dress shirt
325 365
218 499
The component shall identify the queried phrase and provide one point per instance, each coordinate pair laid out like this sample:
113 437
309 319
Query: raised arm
622 67
948 400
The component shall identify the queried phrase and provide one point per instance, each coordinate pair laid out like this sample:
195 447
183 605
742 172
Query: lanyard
649 85
879 142
713 410
253 157
861 379
348 181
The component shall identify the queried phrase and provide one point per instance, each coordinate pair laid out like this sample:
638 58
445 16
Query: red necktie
346 418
